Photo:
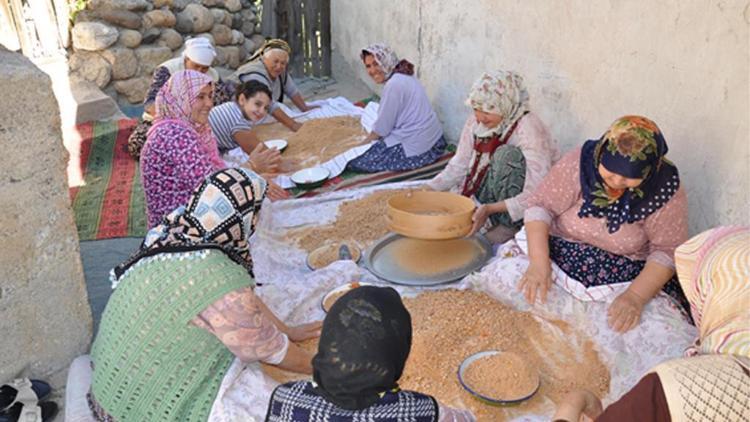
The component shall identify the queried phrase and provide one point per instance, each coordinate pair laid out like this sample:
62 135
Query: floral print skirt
593 266
383 158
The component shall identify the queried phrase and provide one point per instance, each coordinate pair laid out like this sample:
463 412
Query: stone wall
45 319
684 64
117 44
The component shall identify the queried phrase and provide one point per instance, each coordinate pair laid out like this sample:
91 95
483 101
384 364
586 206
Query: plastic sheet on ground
294 293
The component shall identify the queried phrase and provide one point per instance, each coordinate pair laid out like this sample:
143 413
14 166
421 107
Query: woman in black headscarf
363 348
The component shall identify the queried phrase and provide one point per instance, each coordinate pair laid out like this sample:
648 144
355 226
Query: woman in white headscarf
198 55
407 130
503 153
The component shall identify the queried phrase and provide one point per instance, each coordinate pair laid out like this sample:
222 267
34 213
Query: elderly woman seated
610 215
407 129
711 382
198 55
184 307
503 154
363 347
269 66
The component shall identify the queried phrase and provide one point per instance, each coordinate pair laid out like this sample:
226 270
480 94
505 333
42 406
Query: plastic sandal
9 391
20 399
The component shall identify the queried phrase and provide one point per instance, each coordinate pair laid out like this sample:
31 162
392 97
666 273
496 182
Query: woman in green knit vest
184 307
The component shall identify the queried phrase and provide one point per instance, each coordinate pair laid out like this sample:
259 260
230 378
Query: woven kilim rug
109 201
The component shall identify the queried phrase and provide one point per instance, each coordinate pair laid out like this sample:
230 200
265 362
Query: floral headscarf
632 147
174 104
500 92
220 214
387 60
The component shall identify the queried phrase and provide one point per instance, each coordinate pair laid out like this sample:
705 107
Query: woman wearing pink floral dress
181 149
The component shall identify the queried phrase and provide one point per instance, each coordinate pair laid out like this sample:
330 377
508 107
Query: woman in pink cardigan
610 212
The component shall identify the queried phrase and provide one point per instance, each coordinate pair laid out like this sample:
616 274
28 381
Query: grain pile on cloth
294 293
449 325
359 222
318 140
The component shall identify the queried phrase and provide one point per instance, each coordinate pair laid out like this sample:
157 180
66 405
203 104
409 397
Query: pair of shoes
19 401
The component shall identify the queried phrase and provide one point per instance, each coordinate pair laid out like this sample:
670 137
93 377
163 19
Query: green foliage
75 6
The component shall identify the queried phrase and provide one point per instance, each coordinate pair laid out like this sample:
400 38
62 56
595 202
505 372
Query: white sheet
295 294
330 107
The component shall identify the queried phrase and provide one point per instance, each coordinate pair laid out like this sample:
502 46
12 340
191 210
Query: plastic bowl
491 400
311 177
279 144
353 250
430 215
341 289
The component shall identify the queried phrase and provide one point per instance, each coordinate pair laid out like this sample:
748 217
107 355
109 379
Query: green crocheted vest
150 363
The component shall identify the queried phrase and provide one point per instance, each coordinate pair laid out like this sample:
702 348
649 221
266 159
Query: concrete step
79 100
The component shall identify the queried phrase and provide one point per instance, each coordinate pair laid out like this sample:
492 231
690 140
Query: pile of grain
503 376
318 141
450 325
359 222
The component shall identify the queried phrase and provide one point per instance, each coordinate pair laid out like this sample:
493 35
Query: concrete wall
45 320
684 64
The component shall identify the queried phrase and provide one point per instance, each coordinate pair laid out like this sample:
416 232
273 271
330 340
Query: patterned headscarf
364 344
220 214
632 147
271 44
714 268
386 58
174 104
500 92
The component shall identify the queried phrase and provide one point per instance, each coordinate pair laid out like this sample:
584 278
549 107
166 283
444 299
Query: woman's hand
483 213
304 331
275 192
295 126
625 311
536 281
264 160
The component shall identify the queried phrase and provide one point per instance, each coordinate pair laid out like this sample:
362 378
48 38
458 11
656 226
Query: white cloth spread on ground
330 107
295 294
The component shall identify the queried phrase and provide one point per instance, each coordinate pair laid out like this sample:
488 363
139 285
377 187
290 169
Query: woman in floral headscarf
503 154
407 130
184 308
609 215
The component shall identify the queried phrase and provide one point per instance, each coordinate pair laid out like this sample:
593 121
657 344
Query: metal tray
379 261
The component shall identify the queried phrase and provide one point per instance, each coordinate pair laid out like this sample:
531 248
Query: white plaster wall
684 64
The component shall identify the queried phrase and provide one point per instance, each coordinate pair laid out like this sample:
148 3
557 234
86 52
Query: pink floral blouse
558 199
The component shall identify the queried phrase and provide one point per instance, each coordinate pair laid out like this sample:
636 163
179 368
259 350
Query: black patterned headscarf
363 347
220 214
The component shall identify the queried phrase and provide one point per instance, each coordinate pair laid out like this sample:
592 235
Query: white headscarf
200 51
